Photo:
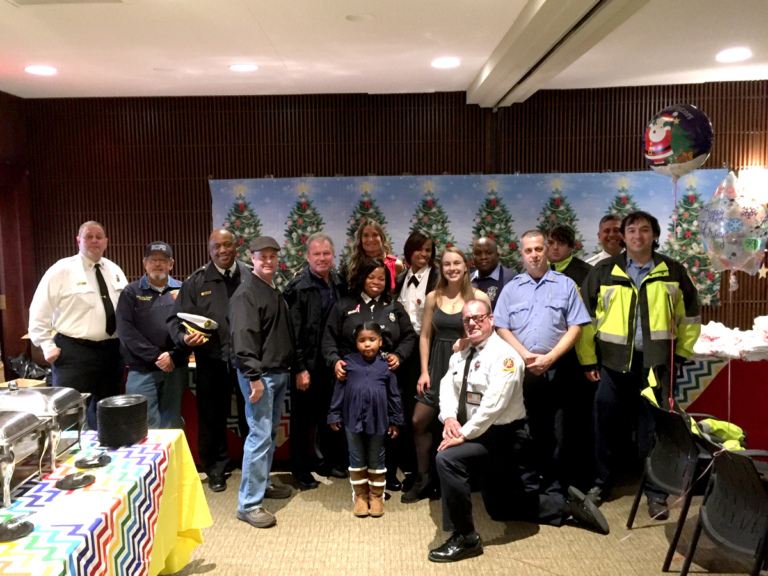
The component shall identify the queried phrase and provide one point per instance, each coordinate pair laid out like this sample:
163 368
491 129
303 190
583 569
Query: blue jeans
263 422
366 450
163 391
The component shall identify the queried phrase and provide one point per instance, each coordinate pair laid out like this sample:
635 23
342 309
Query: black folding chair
734 513
675 464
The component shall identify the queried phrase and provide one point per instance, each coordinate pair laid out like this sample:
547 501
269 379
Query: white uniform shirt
592 260
68 300
494 387
412 297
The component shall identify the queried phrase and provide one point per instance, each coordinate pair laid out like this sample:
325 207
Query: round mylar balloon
678 140
734 227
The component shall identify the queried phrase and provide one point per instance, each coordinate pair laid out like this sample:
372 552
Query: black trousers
215 381
620 411
87 366
577 452
309 412
503 460
543 396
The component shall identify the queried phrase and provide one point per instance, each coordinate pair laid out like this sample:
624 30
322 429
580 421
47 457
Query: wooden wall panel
13 132
140 165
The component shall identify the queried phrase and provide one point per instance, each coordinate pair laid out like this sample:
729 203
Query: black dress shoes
306 481
456 548
217 483
585 512
393 484
332 471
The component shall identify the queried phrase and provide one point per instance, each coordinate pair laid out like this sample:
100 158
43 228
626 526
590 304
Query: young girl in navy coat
367 402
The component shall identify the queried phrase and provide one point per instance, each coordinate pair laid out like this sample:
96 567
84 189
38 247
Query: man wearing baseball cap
157 368
262 352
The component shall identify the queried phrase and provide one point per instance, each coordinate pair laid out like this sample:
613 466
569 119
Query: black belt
101 344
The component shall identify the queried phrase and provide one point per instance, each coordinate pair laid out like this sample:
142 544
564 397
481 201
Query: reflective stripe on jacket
668 305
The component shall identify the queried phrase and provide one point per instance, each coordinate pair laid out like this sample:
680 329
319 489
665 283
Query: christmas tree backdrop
243 222
684 245
366 209
557 210
303 221
494 221
431 218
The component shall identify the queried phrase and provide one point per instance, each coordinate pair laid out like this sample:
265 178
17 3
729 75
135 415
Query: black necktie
107 301
228 274
551 266
413 281
461 413
371 304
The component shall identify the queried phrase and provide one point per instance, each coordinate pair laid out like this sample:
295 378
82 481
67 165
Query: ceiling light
734 55
446 63
243 67
360 18
41 70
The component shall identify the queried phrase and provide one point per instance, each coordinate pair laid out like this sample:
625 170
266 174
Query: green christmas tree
684 245
243 222
494 221
558 211
303 221
366 209
621 205
430 217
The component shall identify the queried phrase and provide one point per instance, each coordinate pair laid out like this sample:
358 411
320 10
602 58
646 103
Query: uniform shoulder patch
508 364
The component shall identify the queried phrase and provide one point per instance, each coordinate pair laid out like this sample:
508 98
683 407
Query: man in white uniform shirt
77 298
485 434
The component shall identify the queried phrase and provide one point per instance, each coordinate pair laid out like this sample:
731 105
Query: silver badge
391 316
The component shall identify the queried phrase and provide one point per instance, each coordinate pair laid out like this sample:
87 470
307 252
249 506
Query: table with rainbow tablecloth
142 516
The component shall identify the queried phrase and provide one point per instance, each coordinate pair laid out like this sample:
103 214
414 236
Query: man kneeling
485 433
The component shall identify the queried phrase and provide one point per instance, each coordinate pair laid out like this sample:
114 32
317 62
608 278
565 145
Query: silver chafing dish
21 435
65 407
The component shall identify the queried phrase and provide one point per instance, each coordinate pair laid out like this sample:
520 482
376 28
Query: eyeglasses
158 260
477 319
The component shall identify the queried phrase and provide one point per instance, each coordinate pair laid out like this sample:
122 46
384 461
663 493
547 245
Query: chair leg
691 549
636 503
688 491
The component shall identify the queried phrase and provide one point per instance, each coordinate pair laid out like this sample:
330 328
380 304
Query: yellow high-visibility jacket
668 307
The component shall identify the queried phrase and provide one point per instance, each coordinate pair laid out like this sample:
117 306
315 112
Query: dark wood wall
140 165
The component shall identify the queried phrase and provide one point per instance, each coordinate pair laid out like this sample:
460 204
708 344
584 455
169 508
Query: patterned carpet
316 534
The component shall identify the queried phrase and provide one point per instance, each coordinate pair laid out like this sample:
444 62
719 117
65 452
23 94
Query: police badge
492 290
391 316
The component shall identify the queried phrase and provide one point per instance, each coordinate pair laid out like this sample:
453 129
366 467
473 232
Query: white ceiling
184 47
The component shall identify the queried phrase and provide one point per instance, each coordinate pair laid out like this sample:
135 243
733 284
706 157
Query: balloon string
730 324
674 211
673 368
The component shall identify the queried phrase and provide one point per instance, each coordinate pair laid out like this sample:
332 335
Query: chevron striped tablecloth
143 515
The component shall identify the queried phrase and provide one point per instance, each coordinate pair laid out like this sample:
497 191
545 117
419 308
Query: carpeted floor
316 534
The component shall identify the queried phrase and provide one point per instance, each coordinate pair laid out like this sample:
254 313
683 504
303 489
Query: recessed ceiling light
734 55
41 70
243 67
446 63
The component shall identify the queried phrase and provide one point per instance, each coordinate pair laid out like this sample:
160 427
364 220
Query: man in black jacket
310 295
157 368
262 352
561 241
207 292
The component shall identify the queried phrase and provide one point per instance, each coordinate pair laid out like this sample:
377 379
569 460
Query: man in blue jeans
157 368
262 352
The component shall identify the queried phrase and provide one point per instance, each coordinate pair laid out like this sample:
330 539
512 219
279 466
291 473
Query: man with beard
157 368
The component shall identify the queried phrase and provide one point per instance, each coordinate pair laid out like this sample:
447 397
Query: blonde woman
371 242
441 326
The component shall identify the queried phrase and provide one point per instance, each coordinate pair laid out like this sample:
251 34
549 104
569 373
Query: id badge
474 398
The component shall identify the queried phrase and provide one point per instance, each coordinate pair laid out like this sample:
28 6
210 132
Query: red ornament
488 218
303 240
303 205
237 222
696 264
691 198
367 203
301 221
513 245
558 201
299 252
282 265
426 219
241 206
490 235
449 245
493 202
623 199
682 248
430 203
552 218
686 215
240 241
578 245
687 233
710 276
